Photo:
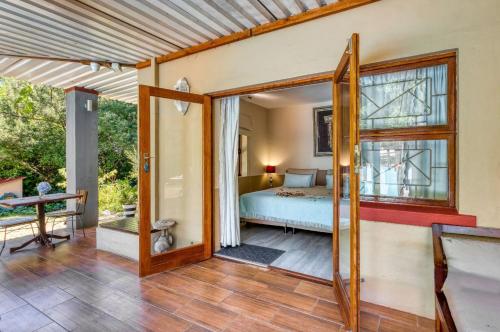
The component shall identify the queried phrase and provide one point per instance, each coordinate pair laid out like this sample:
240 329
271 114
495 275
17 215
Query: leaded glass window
410 98
408 132
405 169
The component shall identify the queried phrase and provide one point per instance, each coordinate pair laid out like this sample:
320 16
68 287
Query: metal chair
7 224
81 203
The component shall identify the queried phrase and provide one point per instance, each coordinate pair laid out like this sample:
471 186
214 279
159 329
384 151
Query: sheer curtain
228 172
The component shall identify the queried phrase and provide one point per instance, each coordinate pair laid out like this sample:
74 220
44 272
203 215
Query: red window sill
414 215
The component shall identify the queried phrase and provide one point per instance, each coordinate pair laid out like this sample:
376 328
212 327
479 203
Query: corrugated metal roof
62 74
125 31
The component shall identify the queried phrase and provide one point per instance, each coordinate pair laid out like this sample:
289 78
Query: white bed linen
314 209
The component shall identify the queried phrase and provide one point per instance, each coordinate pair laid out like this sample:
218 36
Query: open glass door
346 160
175 179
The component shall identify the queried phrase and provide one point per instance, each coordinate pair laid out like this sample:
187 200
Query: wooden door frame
152 264
322 77
349 304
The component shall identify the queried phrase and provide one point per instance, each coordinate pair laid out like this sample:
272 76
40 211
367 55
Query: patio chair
77 214
7 224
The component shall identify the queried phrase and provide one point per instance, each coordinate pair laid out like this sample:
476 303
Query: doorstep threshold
230 258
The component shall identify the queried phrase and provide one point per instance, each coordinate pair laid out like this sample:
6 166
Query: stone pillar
81 150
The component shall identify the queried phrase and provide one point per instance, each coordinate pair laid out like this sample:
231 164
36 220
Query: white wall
291 138
388 29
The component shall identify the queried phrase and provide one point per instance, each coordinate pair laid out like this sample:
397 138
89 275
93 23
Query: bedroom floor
305 252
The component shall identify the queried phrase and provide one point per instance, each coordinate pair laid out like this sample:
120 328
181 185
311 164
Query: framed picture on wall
323 135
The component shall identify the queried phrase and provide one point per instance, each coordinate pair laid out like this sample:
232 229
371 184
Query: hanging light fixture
116 67
95 66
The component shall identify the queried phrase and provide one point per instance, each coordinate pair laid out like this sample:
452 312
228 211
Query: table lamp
270 170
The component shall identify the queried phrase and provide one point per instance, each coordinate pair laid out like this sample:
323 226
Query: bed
313 211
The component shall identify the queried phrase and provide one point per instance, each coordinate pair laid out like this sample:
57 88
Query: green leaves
33 135
117 137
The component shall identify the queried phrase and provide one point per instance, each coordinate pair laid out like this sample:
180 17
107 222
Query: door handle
147 157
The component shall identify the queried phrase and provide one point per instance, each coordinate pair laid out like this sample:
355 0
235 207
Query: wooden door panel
347 76
150 262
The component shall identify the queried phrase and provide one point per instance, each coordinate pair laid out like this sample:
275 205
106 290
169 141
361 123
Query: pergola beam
309 15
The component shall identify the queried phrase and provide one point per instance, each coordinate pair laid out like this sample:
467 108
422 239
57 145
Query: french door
346 164
175 179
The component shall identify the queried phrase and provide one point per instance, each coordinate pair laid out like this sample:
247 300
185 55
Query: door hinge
349 46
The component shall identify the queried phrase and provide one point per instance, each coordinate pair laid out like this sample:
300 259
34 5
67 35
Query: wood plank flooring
78 288
308 253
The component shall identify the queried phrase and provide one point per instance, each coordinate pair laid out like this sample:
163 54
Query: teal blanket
313 209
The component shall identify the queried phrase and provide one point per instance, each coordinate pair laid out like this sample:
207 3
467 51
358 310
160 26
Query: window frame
446 132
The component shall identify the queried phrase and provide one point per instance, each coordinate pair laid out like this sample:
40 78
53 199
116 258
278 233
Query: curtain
228 172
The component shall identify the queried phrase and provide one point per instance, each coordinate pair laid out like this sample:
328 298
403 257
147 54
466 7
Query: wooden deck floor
76 287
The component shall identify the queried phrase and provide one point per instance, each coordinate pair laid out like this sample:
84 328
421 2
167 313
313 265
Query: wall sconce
116 67
270 170
95 66
89 106
183 86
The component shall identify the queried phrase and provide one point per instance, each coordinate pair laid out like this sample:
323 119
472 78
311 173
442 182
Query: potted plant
43 188
129 201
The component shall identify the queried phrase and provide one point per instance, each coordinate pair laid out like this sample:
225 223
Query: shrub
114 194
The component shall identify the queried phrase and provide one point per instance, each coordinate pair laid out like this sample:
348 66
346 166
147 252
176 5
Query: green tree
117 137
33 134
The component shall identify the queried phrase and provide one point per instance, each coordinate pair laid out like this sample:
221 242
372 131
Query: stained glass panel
405 169
410 98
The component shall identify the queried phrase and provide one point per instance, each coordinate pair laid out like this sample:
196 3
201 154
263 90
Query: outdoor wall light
95 66
89 106
183 86
116 67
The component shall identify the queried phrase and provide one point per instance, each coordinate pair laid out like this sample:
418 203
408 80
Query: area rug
251 253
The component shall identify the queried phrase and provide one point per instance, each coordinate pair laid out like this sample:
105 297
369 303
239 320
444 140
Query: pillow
321 177
329 181
312 171
476 256
297 180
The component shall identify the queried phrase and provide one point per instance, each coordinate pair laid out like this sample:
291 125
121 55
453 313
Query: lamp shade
270 169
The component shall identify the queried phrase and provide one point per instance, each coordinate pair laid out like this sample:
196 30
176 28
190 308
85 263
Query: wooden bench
467 282
6 224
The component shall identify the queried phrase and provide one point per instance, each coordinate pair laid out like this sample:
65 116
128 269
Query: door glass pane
179 177
345 195
410 98
408 169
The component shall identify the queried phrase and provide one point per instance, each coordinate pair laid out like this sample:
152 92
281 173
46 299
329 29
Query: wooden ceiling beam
312 14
